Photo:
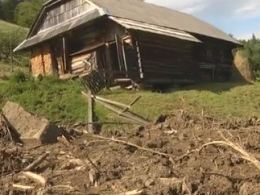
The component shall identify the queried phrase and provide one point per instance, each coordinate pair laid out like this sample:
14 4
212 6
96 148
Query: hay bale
242 69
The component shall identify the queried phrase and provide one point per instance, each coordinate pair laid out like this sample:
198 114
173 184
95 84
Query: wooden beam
64 54
139 59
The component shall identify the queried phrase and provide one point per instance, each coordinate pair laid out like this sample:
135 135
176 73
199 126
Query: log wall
215 58
165 58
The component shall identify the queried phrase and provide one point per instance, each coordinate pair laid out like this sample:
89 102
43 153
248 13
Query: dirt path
118 168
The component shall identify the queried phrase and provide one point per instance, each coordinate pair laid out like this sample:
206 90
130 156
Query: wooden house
126 40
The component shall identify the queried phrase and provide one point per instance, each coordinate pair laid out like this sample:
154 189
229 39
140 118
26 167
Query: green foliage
60 100
8 7
1 11
10 37
19 77
26 11
49 97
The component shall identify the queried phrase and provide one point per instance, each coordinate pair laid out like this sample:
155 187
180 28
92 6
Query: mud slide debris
180 154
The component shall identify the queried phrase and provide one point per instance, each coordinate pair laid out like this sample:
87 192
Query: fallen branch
37 162
244 154
38 178
131 144
23 187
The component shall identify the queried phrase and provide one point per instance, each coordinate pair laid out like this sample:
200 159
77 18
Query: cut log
29 126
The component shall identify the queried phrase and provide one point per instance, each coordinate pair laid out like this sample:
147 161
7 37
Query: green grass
7 70
62 100
6 26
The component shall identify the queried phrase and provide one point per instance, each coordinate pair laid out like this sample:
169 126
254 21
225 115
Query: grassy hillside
6 70
62 100
6 26
11 36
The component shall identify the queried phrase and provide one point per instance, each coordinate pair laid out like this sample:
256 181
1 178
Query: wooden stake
90 113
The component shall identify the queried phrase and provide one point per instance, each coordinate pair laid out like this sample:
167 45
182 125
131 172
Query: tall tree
26 12
1 11
8 7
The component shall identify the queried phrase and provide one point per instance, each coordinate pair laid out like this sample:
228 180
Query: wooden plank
111 102
139 59
123 54
120 53
64 52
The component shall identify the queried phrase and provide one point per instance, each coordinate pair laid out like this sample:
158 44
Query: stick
131 104
22 187
35 177
100 122
37 162
6 125
131 144
92 163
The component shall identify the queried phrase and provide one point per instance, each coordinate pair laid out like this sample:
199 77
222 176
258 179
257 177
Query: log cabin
126 40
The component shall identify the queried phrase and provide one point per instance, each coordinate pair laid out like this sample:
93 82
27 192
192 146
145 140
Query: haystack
242 69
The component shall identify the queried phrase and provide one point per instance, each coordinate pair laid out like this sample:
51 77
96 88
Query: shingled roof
161 16
134 10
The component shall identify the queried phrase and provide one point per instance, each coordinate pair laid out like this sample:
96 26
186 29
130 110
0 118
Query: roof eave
58 30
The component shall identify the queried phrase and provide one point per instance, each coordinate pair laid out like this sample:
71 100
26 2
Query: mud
117 168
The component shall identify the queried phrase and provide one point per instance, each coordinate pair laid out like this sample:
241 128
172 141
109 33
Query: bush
19 77
9 40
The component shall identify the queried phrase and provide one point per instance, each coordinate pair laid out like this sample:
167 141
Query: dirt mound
242 69
166 158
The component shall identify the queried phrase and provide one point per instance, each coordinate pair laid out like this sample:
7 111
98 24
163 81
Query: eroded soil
182 168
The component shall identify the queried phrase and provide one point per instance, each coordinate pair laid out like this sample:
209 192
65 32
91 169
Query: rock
29 126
